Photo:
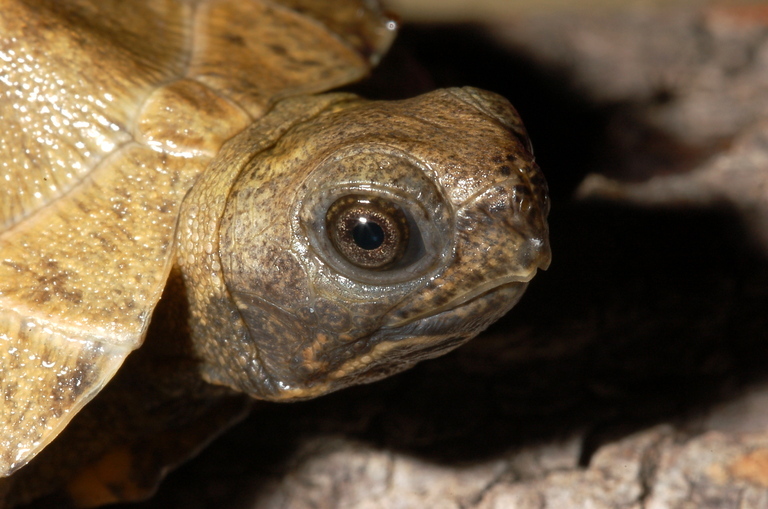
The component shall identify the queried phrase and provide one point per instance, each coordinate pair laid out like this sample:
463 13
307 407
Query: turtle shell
309 242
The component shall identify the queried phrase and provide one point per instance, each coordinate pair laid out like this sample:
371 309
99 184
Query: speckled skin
149 137
479 188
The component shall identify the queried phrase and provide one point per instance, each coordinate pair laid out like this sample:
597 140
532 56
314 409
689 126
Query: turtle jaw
460 307
294 316
395 348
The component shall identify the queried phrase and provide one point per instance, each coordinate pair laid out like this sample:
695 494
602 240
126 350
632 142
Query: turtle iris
368 231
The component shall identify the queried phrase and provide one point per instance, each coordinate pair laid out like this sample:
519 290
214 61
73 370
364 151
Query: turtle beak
398 347
468 298
497 245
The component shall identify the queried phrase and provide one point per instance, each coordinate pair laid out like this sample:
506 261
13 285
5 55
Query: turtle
189 212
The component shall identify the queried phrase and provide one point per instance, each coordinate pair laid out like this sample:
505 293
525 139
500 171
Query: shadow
565 128
644 317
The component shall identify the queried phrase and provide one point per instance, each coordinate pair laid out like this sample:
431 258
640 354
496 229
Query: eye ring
369 232
384 173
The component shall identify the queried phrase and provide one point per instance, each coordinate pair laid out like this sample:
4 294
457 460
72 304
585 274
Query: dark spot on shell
497 159
119 210
83 206
75 297
278 49
312 63
106 244
235 39
15 266
9 391
505 170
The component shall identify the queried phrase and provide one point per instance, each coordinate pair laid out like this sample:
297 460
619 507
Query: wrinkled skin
203 167
339 324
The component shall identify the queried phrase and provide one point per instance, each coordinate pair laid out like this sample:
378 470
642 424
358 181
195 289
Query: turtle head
363 239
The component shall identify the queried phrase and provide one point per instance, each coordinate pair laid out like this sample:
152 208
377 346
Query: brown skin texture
482 223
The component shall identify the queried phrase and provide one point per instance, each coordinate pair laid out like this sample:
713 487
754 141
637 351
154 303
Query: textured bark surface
632 375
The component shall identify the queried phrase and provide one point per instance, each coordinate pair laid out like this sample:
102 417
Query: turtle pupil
370 232
367 234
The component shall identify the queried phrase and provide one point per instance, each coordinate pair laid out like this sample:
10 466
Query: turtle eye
368 231
372 217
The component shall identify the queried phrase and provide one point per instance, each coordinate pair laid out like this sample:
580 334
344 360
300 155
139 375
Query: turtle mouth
465 301
470 312
392 348
397 347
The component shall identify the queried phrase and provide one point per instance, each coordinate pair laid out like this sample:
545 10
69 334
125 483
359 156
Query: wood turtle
172 179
